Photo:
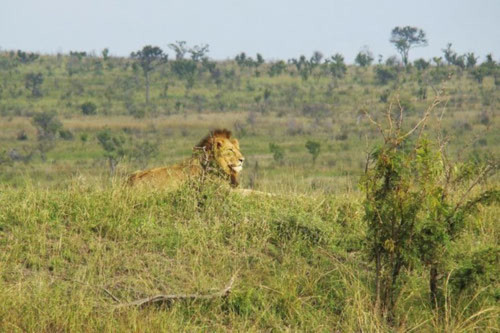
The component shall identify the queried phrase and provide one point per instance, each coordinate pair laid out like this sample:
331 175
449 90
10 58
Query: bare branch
176 297
422 121
375 123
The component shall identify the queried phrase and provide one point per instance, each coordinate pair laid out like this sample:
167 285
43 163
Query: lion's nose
242 159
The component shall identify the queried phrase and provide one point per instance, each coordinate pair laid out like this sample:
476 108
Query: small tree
277 68
278 152
114 147
185 69
384 74
421 64
180 49
317 57
406 38
471 60
149 58
47 126
88 108
25 57
105 54
416 203
198 52
314 149
337 66
364 58
32 82
304 67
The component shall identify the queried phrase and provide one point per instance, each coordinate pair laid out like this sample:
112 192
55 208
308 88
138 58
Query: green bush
88 108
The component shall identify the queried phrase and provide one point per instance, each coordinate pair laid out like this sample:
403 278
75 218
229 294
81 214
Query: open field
75 243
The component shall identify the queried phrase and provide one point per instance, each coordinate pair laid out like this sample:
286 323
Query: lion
218 154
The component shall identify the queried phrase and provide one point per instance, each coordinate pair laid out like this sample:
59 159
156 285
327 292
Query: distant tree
364 58
32 82
185 69
198 52
259 60
148 59
277 68
449 54
337 66
384 74
304 67
114 147
406 38
245 61
393 61
317 57
438 61
88 108
278 152
25 57
78 54
460 61
241 59
47 126
487 68
421 64
452 58
105 54
471 60
180 49
314 149
75 64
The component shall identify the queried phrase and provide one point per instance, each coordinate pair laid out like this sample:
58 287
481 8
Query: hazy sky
276 28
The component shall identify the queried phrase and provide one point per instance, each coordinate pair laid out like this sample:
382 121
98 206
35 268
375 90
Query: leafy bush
384 74
88 108
66 134
278 152
417 201
314 149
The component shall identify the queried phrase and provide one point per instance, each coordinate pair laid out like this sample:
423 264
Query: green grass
299 261
68 231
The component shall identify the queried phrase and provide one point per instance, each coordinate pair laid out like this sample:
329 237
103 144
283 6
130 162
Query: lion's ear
236 143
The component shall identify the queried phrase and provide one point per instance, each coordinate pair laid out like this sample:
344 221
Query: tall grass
299 260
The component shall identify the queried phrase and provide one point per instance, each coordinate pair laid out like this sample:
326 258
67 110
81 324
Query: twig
375 123
174 297
423 120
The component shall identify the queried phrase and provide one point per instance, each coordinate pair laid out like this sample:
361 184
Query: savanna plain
322 245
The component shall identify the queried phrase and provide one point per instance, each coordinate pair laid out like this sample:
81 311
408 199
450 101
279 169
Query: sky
278 29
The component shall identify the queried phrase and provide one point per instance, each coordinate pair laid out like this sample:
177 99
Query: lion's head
219 147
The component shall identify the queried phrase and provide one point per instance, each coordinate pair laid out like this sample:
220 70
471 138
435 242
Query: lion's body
216 155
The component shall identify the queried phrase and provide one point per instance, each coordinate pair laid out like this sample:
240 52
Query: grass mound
299 260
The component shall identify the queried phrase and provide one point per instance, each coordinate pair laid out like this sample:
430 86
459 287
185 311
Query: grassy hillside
75 243
298 261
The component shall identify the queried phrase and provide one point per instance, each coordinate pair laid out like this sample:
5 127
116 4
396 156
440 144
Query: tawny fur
217 154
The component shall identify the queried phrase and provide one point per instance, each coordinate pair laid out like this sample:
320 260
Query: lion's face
228 156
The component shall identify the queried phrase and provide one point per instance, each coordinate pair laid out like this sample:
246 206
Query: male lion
217 154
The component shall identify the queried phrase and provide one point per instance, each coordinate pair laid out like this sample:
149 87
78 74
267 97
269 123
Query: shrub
385 74
314 149
416 204
66 134
278 152
88 108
